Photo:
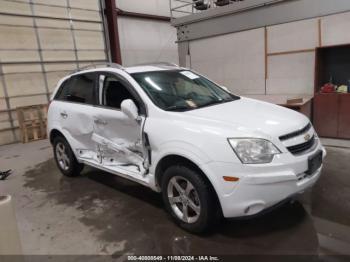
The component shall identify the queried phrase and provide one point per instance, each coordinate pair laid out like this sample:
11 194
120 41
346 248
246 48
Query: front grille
296 133
299 149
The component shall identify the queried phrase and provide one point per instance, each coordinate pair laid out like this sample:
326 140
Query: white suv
208 151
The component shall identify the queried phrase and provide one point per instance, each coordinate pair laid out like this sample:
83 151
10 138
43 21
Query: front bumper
261 186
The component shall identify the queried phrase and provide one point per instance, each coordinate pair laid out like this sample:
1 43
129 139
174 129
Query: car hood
249 116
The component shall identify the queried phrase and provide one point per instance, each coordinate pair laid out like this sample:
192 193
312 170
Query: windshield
181 90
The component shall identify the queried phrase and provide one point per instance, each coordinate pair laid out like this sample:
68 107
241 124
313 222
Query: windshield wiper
215 102
177 108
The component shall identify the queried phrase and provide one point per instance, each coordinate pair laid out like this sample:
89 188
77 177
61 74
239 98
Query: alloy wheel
183 199
62 156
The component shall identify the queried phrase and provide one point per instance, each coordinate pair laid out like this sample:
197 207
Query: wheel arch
174 159
54 133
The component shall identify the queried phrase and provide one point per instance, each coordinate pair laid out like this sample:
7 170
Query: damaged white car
209 152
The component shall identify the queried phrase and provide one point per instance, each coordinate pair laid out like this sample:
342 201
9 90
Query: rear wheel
65 159
188 198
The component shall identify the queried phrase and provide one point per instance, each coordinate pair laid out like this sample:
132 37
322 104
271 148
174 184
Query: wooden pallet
32 122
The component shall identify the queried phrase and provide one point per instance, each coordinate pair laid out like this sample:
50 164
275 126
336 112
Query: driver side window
113 92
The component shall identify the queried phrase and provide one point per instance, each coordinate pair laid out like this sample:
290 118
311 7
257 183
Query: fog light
254 208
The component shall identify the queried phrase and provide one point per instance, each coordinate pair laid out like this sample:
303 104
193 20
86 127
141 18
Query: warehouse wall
152 7
234 60
146 40
41 41
278 61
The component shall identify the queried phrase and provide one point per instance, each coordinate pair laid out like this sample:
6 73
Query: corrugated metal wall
41 41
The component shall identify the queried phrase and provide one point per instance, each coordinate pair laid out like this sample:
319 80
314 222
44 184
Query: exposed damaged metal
126 154
119 152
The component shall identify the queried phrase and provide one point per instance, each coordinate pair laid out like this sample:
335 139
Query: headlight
253 150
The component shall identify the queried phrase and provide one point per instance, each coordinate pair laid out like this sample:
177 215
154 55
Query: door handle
64 114
100 122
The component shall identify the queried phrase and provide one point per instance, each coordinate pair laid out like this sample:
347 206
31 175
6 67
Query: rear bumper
262 186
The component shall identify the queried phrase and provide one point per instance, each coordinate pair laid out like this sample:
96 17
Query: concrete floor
98 213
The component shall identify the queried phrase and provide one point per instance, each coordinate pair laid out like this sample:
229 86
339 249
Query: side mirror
129 108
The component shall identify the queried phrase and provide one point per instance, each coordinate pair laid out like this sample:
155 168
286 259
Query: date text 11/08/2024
173 258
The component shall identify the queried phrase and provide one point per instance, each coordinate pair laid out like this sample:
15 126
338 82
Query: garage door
41 41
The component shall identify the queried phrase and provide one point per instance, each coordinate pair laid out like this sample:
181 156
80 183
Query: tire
199 200
65 159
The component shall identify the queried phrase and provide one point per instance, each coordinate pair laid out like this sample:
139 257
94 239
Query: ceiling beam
236 18
143 16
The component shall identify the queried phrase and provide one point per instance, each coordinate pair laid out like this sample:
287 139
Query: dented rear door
76 108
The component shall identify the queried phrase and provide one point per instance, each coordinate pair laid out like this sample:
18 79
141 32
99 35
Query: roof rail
157 63
93 65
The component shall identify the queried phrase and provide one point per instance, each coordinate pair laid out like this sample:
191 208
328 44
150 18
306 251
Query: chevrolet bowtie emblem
307 137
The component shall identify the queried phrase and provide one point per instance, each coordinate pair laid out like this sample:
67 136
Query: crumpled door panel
120 153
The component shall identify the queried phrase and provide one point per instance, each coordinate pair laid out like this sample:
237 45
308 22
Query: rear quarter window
78 89
63 90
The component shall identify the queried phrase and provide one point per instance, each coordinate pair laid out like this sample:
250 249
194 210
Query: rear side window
63 90
78 89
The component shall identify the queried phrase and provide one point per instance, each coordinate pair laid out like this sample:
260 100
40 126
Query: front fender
190 152
180 148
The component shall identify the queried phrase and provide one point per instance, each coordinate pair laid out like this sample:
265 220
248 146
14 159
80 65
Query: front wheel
188 198
65 159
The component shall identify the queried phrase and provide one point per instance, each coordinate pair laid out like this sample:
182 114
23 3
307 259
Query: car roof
149 68
159 66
